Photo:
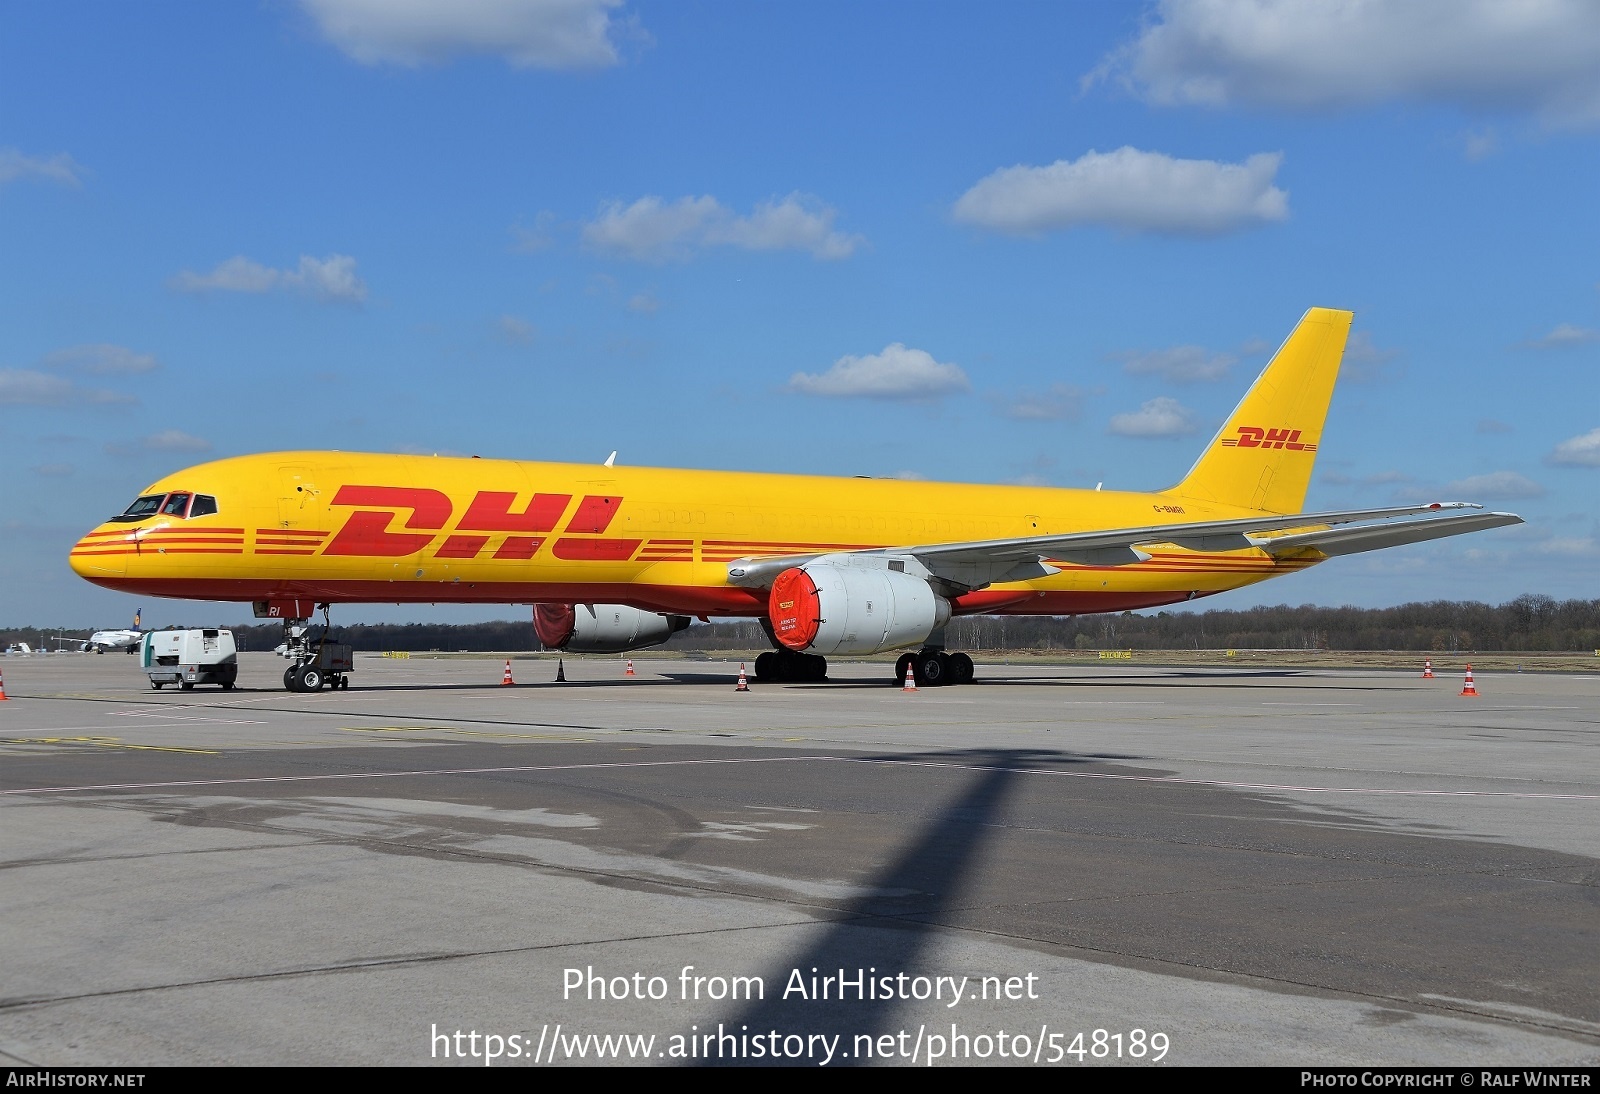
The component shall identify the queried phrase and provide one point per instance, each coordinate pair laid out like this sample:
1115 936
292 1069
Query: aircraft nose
101 555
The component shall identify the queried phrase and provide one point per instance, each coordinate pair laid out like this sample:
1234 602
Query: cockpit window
146 506
203 506
177 504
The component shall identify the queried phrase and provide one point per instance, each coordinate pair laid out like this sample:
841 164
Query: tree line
1527 624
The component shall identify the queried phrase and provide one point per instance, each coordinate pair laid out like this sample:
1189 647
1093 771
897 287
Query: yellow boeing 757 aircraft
615 558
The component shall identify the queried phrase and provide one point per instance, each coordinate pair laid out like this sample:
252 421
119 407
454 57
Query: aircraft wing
974 565
1351 541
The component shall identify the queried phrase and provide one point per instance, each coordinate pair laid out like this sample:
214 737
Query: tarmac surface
1288 867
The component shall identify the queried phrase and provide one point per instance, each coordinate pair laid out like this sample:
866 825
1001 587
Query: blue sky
991 243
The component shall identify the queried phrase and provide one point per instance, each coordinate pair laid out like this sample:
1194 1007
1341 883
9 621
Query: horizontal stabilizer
1352 541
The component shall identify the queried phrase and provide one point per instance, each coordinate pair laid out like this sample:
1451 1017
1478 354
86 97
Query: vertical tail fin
1262 457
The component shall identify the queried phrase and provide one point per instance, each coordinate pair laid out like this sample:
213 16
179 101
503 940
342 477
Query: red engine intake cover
793 609
554 623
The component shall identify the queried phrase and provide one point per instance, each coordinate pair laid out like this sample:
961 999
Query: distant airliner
100 641
619 558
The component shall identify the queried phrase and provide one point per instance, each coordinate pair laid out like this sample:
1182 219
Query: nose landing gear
314 664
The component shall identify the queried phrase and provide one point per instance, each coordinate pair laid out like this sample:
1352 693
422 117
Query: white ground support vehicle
187 658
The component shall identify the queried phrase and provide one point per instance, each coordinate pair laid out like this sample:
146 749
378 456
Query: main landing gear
934 668
790 667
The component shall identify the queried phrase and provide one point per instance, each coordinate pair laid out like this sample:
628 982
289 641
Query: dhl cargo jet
619 558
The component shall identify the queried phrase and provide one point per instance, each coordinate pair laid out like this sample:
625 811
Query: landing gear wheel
902 663
961 669
311 678
791 667
933 669
290 679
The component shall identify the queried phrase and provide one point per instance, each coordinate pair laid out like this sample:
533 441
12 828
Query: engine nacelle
602 628
827 609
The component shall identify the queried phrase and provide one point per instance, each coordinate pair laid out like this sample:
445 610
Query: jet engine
602 628
847 609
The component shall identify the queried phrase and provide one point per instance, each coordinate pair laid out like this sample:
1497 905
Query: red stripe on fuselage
722 601
594 515
520 548
595 550
462 547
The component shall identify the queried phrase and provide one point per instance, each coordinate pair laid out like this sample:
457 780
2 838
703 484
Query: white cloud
53 470
896 373
644 303
1384 478
1180 364
540 237
1495 486
1060 403
1563 336
175 440
331 278
1364 362
102 359
559 34
518 332
1376 478
1129 190
652 229
1542 56
1569 546
25 387
60 168
1160 417
1480 145
1580 451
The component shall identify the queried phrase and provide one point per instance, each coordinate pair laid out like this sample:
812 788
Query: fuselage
368 528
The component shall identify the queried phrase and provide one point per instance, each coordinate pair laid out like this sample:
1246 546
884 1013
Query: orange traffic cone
744 685
911 678
506 681
2 687
561 672
630 671
1467 686
1427 669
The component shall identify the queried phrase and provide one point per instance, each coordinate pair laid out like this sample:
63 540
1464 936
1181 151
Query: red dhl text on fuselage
347 527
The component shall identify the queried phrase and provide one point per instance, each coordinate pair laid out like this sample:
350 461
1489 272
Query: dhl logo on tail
1254 436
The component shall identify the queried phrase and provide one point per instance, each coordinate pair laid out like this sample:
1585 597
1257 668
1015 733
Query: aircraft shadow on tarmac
1174 679
1460 884
891 926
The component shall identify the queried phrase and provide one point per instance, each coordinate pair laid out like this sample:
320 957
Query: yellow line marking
106 742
